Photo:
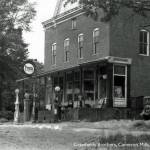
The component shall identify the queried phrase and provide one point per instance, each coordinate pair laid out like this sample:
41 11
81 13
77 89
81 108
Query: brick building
96 62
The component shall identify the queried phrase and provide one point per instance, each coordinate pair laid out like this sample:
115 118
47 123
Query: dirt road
70 136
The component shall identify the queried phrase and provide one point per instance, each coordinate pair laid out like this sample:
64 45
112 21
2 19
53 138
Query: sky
35 38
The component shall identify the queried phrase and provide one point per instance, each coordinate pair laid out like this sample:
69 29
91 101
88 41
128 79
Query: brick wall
63 30
124 42
118 38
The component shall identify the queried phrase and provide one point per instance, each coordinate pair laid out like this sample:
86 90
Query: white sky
35 38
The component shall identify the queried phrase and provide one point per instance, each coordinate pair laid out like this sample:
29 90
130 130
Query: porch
92 91
90 85
90 114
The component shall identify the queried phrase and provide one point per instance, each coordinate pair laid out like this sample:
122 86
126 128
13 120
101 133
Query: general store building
93 61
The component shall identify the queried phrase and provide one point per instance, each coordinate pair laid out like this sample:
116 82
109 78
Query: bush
7 115
3 120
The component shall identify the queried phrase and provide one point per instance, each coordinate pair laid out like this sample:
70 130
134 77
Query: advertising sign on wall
119 102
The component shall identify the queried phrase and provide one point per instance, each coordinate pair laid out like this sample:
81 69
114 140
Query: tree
16 13
15 16
112 7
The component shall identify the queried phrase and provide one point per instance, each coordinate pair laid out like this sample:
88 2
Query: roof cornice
56 19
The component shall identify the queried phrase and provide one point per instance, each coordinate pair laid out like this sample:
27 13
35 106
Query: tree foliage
16 13
15 16
112 7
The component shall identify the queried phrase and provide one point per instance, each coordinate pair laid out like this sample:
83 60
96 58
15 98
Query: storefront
92 85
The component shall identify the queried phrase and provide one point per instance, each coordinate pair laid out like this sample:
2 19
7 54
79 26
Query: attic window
74 23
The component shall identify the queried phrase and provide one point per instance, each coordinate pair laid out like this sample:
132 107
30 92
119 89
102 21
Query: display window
120 85
69 86
76 85
88 84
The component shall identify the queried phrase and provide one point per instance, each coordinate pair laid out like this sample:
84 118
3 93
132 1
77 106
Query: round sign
29 68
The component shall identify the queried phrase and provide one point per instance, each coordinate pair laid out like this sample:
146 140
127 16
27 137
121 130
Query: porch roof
109 59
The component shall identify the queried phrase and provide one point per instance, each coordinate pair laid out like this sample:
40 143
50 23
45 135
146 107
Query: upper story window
66 49
80 45
95 40
53 53
74 23
144 42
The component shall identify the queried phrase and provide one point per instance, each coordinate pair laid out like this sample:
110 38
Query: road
70 136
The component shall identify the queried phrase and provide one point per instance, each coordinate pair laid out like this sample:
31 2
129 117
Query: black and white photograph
74 74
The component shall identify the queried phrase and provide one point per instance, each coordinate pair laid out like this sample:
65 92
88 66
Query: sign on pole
29 68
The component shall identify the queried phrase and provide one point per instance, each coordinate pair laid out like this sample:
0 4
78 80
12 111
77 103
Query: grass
142 125
117 142
124 134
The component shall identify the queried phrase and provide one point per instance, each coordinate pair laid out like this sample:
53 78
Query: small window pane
69 97
77 76
96 35
119 70
89 85
89 96
145 37
119 87
69 85
141 36
69 76
88 74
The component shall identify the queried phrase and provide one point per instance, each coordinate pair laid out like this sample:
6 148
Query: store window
48 90
69 87
53 53
58 81
66 49
80 45
76 85
89 84
144 42
120 85
95 40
